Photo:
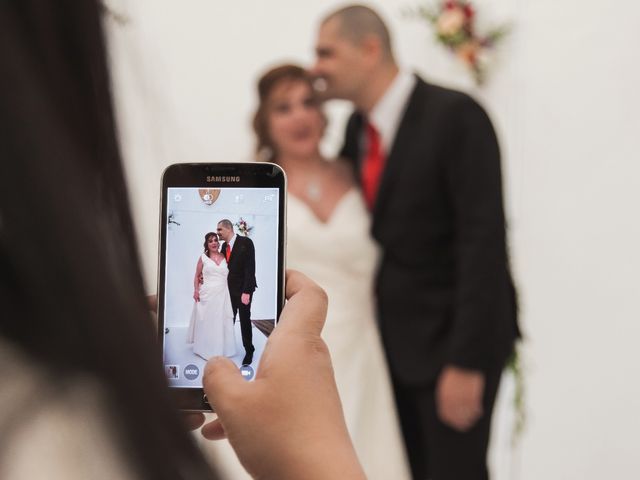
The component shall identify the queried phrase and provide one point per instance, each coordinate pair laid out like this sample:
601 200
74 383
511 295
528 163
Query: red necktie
372 166
228 252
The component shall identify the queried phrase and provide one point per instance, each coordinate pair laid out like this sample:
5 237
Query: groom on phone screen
241 261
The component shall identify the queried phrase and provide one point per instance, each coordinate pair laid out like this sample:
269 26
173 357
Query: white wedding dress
341 257
211 327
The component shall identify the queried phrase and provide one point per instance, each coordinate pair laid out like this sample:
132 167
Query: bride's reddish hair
268 82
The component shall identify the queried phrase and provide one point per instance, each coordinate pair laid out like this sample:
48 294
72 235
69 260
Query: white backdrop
565 102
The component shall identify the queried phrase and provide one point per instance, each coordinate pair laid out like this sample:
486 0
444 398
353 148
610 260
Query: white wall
564 98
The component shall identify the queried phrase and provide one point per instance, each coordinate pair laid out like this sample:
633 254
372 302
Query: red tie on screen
228 252
372 166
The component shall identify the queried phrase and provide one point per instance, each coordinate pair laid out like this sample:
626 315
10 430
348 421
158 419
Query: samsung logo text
223 179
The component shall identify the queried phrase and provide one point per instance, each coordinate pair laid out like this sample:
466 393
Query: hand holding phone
289 422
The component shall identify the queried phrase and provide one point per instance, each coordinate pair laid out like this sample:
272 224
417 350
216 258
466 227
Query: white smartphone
221 269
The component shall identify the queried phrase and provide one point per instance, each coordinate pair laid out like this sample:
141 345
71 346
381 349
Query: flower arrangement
514 366
243 227
454 23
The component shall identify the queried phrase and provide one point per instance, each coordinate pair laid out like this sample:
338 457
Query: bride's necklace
313 190
309 181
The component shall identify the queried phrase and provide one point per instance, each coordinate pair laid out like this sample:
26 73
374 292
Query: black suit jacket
444 291
242 266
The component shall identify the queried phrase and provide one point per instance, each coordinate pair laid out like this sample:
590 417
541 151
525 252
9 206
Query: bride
328 240
211 326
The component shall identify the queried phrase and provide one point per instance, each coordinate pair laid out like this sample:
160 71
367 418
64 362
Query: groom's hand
245 298
459 397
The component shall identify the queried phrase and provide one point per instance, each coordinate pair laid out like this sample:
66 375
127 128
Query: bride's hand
288 423
196 296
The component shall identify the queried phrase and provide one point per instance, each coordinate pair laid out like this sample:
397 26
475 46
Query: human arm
288 423
474 184
481 278
197 281
249 273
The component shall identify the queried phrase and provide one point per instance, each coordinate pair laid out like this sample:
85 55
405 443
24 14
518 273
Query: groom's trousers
437 451
244 312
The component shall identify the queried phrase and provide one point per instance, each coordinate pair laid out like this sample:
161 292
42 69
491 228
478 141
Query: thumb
222 380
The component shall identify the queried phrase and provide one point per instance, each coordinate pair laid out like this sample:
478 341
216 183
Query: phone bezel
198 175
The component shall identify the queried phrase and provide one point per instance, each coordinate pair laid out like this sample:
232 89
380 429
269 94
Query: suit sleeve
249 283
475 189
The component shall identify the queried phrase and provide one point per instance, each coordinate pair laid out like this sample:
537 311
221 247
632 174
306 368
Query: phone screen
219 279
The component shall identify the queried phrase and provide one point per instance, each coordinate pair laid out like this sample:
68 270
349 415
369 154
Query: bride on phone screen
211 327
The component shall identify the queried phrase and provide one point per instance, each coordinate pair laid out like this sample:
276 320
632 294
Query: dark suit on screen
242 279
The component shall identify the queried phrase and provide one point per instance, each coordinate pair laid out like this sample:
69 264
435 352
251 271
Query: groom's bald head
225 229
357 22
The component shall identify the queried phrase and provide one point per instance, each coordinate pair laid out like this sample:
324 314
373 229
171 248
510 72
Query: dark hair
266 85
77 311
206 241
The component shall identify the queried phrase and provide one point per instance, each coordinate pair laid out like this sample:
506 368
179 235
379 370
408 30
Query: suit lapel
408 131
354 149
236 245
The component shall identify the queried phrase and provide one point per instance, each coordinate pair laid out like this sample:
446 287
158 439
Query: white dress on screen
211 327
341 257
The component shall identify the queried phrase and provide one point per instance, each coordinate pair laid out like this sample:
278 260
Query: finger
193 420
152 301
222 382
214 430
306 309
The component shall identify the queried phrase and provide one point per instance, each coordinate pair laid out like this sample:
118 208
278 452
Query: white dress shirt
387 113
232 241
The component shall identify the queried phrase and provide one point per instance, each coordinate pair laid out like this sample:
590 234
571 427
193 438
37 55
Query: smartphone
221 269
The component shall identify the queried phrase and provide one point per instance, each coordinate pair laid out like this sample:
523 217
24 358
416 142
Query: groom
428 157
241 260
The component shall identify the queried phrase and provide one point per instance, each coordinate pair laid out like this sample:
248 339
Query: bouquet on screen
243 227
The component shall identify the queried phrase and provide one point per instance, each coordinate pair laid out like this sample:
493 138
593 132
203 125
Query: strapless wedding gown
211 327
341 257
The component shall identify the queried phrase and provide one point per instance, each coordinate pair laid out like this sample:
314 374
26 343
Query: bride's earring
265 154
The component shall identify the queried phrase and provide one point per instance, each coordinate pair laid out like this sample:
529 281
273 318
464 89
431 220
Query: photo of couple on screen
220 246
